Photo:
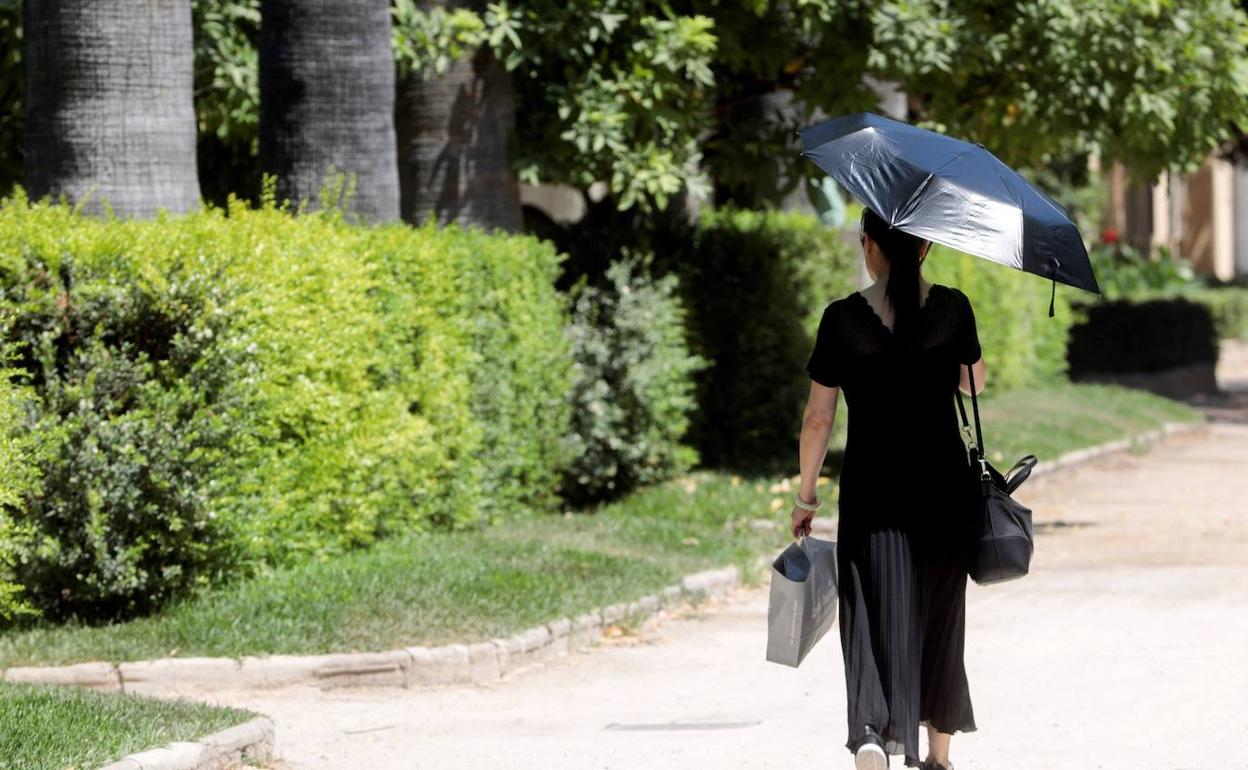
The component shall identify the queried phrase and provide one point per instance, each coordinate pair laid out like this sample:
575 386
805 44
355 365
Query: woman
898 349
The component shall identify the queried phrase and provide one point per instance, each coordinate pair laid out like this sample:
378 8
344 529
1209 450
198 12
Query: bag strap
985 479
978 440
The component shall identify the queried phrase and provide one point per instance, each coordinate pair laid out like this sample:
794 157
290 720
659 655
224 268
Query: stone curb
488 661
249 742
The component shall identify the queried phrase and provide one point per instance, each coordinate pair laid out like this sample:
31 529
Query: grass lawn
1054 420
470 586
45 727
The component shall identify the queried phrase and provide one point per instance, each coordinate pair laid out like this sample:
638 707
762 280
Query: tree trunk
327 101
109 113
454 135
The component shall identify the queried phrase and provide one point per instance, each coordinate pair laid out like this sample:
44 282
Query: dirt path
1126 648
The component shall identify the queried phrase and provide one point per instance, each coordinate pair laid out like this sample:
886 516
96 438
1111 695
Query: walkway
1124 649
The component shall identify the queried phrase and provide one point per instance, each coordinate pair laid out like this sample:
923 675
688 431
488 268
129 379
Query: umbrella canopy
952 192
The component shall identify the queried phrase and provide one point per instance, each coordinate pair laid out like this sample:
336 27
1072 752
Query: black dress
904 513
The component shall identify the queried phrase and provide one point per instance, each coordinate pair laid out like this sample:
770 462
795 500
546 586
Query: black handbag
1001 534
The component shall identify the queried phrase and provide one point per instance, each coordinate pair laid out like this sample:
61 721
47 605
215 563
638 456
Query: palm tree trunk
327 93
109 113
454 133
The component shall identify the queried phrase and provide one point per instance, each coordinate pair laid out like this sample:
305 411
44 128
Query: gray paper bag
802 606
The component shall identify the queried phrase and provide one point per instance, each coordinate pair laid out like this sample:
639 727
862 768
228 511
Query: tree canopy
639 94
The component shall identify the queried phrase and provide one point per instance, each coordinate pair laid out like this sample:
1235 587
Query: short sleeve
969 350
825 360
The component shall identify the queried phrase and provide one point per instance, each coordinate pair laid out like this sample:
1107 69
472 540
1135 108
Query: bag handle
1019 473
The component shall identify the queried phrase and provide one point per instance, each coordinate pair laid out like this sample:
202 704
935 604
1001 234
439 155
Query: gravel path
1125 648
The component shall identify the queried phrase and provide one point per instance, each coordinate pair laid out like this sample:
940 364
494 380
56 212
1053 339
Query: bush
1227 304
238 388
633 391
130 393
1022 345
1124 273
755 285
492 368
1229 307
18 474
1148 336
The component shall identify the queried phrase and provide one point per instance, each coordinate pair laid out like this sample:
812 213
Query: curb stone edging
249 742
489 661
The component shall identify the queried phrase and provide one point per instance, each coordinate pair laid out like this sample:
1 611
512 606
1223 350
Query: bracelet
805 506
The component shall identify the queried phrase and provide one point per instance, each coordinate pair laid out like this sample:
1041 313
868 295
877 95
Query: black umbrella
952 192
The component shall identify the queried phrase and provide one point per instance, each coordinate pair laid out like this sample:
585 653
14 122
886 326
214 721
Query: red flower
1109 235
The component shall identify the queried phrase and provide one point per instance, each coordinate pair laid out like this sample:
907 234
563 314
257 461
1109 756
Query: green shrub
18 475
1022 345
633 391
340 457
1227 304
493 371
132 396
1123 272
244 387
755 285
1145 336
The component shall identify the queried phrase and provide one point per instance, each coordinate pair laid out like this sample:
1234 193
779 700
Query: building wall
1202 217
1240 218
1209 240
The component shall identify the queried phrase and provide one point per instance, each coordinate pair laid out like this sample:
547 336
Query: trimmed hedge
755 285
1229 307
1023 346
1148 336
1227 304
17 471
208 394
130 406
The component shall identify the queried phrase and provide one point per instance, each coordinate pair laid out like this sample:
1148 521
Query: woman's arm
964 383
817 421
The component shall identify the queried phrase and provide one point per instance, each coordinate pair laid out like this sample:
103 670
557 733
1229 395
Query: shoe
870 754
934 765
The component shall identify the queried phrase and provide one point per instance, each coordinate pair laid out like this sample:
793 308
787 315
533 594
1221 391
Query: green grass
445 587
1047 422
45 727
476 585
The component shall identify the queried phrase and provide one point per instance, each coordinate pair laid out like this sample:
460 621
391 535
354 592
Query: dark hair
902 251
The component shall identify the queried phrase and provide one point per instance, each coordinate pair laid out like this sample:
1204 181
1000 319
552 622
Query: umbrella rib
951 160
1017 201
918 190
914 195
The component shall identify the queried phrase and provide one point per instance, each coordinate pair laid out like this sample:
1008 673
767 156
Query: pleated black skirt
903 626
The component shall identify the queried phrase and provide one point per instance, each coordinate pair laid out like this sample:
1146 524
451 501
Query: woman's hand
801 521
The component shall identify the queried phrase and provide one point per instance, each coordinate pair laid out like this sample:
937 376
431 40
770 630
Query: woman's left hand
801 521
